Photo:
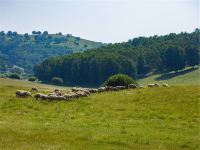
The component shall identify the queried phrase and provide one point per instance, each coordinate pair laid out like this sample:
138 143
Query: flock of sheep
77 92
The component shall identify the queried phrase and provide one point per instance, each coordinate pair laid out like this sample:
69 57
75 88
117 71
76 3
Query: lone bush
32 79
57 81
119 80
14 76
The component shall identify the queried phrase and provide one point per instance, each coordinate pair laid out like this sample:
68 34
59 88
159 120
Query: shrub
119 80
2 75
14 76
57 81
32 79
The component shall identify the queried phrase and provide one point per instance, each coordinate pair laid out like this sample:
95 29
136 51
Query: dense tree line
25 50
136 58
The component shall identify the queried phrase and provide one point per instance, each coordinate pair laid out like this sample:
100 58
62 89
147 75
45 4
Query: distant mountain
27 50
137 58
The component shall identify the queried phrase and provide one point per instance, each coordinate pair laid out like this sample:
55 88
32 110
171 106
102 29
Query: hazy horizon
99 20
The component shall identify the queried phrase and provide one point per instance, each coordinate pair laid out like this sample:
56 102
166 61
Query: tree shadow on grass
174 74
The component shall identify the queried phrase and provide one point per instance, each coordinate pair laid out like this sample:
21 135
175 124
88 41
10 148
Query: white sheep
154 85
23 94
132 86
34 89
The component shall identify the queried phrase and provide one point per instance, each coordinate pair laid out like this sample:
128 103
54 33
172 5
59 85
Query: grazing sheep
165 85
55 97
60 98
91 90
132 86
60 94
153 85
56 90
44 97
35 89
114 89
41 96
23 94
73 95
111 88
101 89
53 93
51 96
81 94
86 91
141 87
38 95
76 89
108 88
56 94
121 87
68 96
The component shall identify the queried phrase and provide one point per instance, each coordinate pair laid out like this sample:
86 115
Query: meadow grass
188 76
28 84
151 118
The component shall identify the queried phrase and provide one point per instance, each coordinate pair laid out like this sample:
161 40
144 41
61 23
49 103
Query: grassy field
157 118
6 82
188 76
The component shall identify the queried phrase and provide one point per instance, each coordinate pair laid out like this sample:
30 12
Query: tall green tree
174 58
192 55
141 65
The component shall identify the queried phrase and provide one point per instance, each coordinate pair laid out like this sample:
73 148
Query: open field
188 76
156 118
28 85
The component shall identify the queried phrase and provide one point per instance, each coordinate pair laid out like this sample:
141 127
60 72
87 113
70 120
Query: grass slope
6 82
157 118
188 76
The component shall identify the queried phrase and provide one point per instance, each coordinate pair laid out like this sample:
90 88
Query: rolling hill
187 76
27 50
136 58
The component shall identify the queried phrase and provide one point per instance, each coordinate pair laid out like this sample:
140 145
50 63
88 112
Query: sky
106 21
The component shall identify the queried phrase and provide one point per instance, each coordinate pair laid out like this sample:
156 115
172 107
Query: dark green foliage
9 33
26 37
142 67
27 50
16 69
32 79
2 33
192 55
4 63
90 69
135 58
36 32
174 59
59 33
119 80
14 76
45 33
57 81
58 40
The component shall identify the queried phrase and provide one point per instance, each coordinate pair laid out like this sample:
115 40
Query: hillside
27 50
157 118
188 76
6 82
137 58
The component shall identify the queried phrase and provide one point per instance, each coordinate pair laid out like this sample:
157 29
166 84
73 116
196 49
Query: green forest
137 58
26 50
